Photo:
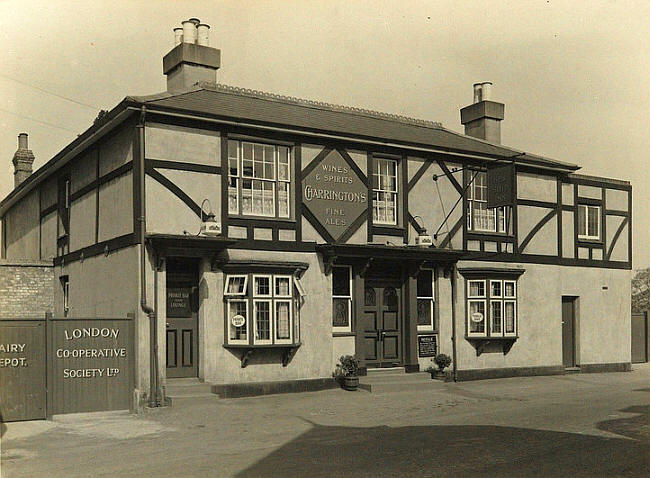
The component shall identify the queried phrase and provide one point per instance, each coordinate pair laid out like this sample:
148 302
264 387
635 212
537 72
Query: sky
572 74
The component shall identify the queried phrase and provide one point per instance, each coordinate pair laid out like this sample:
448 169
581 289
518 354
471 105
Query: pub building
258 237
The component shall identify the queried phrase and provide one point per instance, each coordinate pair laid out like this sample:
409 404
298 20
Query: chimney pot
23 141
178 35
486 90
203 34
196 21
477 92
189 31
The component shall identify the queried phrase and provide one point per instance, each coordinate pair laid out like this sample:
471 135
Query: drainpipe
453 324
144 305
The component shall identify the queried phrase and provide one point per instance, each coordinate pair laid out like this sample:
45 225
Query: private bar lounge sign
335 194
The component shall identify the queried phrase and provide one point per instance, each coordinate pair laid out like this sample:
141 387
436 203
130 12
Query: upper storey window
384 191
259 179
479 217
588 222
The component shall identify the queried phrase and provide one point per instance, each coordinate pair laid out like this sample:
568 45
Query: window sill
343 334
591 241
487 234
481 343
247 350
236 218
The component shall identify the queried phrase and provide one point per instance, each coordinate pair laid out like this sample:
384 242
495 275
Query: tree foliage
641 290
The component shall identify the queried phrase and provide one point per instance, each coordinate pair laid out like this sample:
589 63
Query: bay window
262 314
259 179
479 216
500 318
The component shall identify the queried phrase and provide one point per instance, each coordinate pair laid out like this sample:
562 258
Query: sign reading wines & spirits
335 194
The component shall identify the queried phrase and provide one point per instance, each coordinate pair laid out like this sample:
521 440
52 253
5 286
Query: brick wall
25 289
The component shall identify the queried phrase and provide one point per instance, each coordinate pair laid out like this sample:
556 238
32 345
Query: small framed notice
427 345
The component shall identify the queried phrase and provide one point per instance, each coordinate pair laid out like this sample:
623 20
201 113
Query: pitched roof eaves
37 176
524 156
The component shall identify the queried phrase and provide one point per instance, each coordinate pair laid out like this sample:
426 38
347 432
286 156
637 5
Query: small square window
235 285
262 285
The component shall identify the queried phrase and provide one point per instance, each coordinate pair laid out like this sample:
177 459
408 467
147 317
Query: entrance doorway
182 318
382 324
568 331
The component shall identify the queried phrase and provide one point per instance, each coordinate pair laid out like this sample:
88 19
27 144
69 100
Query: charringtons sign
335 194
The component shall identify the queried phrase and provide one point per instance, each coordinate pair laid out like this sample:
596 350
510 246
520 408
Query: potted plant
442 361
347 372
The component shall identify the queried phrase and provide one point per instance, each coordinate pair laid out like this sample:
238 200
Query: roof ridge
319 104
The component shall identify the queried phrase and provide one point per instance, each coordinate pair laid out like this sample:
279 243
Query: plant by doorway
347 372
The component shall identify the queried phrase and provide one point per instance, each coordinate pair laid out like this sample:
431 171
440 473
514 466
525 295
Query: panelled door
568 332
381 324
182 325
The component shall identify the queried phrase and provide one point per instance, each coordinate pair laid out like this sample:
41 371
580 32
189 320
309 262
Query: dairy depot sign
335 194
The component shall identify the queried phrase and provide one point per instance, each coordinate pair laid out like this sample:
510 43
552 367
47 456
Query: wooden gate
640 337
65 365
23 390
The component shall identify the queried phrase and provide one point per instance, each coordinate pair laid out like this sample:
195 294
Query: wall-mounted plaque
335 194
427 345
178 302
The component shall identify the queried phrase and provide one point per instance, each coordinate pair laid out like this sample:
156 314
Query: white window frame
469 318
387 193
275 281
584 234
268 341
516 321
347 328
492 320
252 300
236 177
430 327
227 282
275 337
271 285
478 298
499 215
503 298
248 322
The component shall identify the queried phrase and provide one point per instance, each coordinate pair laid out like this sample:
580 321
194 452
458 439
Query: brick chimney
482 119
191 60
23 160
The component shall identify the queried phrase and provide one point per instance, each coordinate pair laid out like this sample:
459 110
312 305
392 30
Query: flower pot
350 383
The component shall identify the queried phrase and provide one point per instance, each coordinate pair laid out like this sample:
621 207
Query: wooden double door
381 324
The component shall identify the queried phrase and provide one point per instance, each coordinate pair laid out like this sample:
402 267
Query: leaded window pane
477 317
263 320
282 320
509 309
340 312
425 312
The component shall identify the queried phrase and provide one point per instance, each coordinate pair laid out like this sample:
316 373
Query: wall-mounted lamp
422 239
209 226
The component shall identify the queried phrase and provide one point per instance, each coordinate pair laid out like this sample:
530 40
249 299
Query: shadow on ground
461 451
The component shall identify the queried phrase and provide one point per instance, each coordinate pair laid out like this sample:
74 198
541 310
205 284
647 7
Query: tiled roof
213 99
